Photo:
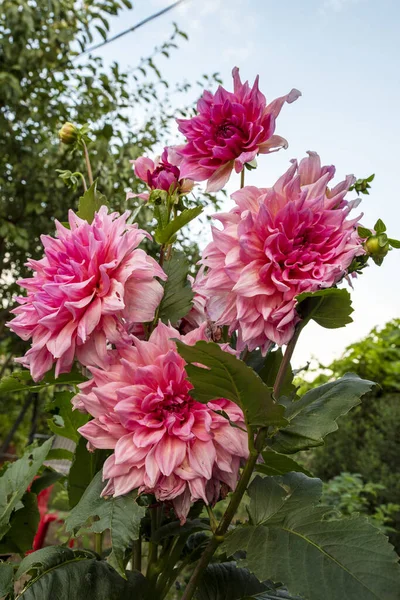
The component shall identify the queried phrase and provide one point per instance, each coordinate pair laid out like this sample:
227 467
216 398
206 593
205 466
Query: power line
140 24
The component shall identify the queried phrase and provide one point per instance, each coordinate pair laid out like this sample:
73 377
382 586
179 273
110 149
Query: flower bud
377 246
68 134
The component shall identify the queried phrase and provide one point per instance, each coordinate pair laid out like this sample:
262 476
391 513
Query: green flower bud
68 134
377 247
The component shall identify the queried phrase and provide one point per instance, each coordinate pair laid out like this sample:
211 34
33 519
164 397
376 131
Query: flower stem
88 165
244 480
242 178
98 543
137 555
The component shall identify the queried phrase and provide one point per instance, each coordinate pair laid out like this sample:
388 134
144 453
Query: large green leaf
178 294
67 421
228 377
23 526
15 481
279 464
6 579
22 381
313 557
329 308
268 367
224 581
90 202
120 515
314 416
165 235
74 576
84 467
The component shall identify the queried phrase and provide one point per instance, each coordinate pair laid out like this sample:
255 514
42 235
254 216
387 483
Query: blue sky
344 57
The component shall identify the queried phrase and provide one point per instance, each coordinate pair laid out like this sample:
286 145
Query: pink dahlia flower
229 130
275 244
164 441
90 287
159 174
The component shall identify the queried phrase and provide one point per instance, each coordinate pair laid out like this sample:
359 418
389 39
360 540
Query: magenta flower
164 441
229 131
90 287
275 244
159 175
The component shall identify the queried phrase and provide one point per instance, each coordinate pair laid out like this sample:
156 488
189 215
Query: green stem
98 543
242 178
137 555
152 572
88 165
167 573
241 487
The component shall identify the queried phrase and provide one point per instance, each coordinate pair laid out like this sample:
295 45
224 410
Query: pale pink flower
159 174
229 130
275 244
164 442
90 287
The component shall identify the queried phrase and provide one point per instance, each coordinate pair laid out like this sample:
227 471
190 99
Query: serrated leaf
16 479
22 381
394 243
330 308
120 515
67 421
228 377
279 464
379 227
23 526
73 576
178 294
164 235
91 201
313 557
314 415
6 579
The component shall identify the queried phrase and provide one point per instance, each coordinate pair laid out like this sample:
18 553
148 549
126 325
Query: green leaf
16 479
120 515
84 467
330 308
23 527
178 294
394 243
314 415
67 421
313 557
228 377
224 581
22 381
164 235
6 579
60 454
270 369
175 528
363 232
279 464
379 227
72 575
46 479
91 201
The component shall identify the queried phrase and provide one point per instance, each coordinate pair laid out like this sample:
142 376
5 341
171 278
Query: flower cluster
164 441
275 244
91 286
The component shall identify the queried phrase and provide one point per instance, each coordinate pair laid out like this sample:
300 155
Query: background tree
43 84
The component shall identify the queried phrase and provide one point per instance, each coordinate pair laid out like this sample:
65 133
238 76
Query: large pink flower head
275 244
91 285
159 174
230 129
164 441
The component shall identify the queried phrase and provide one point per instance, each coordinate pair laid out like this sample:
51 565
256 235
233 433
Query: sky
343 55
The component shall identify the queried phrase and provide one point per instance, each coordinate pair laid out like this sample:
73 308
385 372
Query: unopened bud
68 134
377 247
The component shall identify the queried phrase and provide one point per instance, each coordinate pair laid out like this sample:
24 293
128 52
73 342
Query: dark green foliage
367 441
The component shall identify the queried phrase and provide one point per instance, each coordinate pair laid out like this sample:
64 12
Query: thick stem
137 555
153 554
244 480
242 178
98 543
286 361
88 165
